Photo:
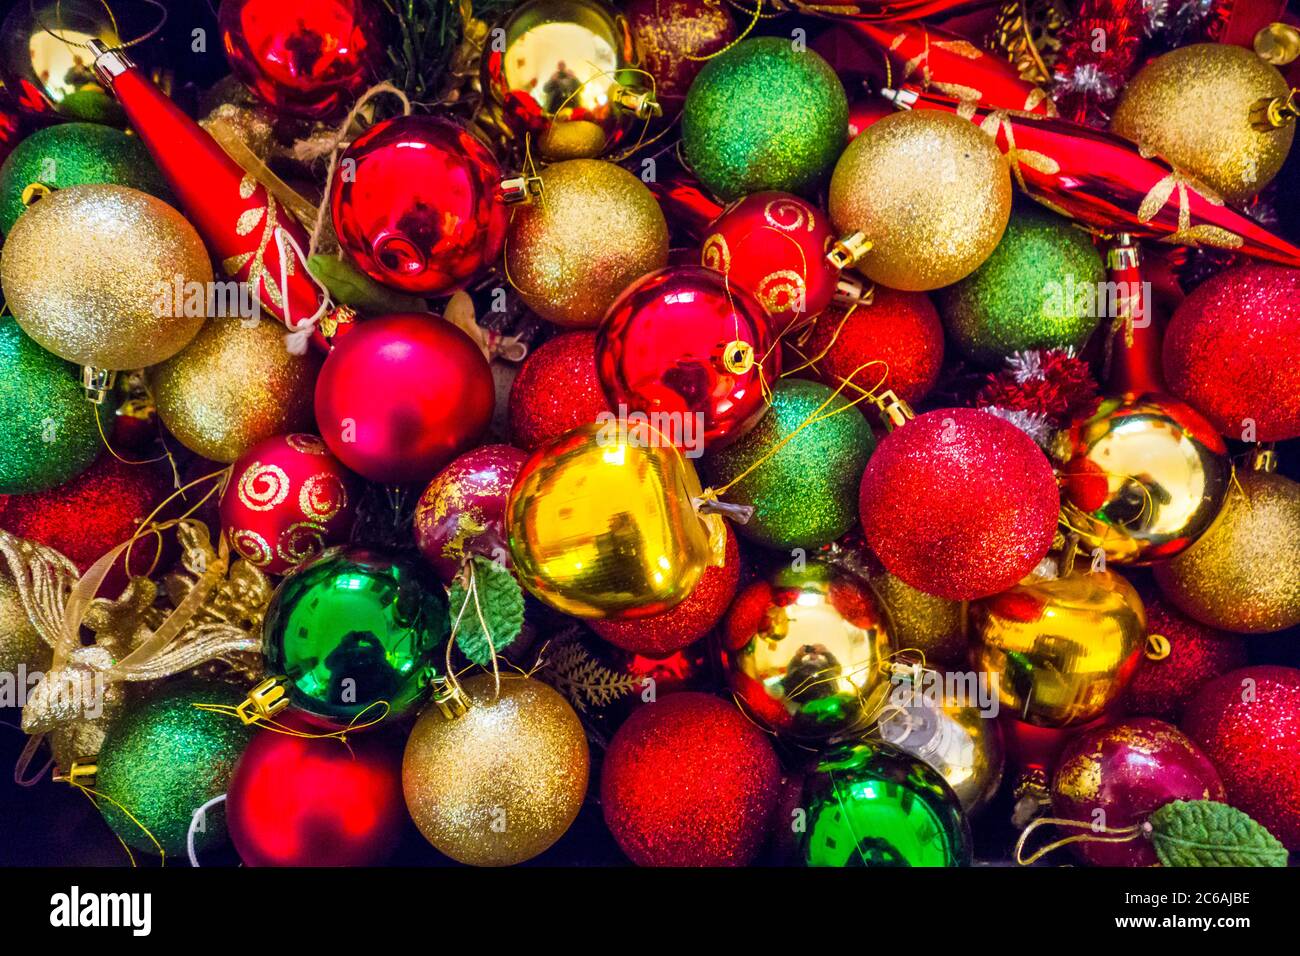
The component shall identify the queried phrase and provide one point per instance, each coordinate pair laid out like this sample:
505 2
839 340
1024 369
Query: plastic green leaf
500 604
349 285
1205 833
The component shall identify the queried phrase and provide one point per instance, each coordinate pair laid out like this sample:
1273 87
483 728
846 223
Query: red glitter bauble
1232 351
1161 687
1122 773
773 245
959 503
689 781
85 518
420 209
899 332
310 802
401 395
676 38
462 512
1248 722
287 500
308 58
673 346
555 391
663 634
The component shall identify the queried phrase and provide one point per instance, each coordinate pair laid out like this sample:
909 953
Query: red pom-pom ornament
1248 722
419 208
287 500
689 781
959 503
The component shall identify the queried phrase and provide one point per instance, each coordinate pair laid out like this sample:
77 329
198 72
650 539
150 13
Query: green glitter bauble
1041 288
163 759
356 627
764 115
75 154
806 494
48 433
873 805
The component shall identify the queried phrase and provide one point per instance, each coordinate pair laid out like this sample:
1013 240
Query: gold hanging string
112 20
755 15
275 726
1096 834
94 796
470 579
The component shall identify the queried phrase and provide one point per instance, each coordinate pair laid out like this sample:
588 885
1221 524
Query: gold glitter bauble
1193 107
1243 574
90 272
594 229
20 643
503 781
919 621
929 191
234 385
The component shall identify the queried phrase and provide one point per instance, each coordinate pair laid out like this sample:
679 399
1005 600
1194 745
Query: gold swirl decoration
800 217
716 255
322 497
262 487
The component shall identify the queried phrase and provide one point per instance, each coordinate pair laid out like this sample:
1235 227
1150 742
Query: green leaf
500 604
1205 833
349 285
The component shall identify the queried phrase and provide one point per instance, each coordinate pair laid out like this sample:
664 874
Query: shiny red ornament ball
897 337
959 503
462 511
1232 351
87 517
1248 722
315 802
773 245
287 500
417 205
687 622
1162 686
676 38
1118 775
401 395
689 781
696 356
555 391
307 58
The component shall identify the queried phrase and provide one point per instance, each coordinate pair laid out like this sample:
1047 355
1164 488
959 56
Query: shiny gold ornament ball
919 621
929 191
234 385
1193 107
90 273
20 643
594 229
1243 574
502 782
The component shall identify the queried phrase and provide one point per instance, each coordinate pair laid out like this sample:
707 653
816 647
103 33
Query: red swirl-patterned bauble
959 503
773 245
1182 655
306 58
462 512
1232 351
1248 722
893 342
555 391
689 781
663 634
695 355
296 801
1118 775
286 501
401 395
676 39
417 204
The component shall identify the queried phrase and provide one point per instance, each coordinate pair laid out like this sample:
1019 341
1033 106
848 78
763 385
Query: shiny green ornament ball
355 627
806 493
48 433
1041 288
764 115
75 154
163 758
870 804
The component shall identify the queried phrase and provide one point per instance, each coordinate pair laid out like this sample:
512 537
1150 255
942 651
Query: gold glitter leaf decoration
585 681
